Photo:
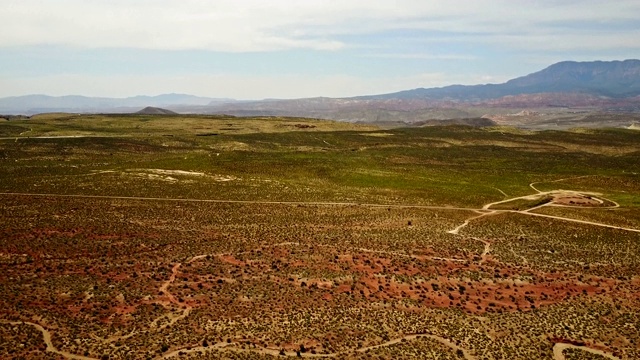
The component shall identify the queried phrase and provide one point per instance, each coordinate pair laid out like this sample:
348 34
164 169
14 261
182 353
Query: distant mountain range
612 86
32 104
613 79
600 85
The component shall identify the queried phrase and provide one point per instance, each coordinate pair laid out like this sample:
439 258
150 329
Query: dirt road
46 335
559 348
224 346
257 202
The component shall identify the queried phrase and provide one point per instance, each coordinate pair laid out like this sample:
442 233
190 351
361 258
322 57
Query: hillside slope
614 79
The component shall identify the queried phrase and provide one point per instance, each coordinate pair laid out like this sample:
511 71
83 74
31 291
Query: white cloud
467 38
175 25
257 25
421 56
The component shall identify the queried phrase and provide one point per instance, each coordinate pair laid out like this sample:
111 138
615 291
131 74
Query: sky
257 49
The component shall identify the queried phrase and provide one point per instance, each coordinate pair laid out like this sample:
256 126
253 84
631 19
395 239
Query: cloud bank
295 48
251 25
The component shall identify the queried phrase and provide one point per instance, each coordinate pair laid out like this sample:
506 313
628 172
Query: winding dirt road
186 309
223 346
595 196
559 348
467 221
46 335
164 289
393 206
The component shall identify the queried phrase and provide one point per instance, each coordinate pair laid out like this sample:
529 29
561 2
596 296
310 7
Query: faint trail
172 319
172 278
186 309
485 251
575 221
288 243
539 206
558 351
257 202
114 338
60 137
46 335
553 181
397 253
199 257
447 259
524 259
534 188
466 222
223 346
439 339
526 197
501 192
324 141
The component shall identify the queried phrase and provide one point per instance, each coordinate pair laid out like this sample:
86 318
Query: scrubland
255 238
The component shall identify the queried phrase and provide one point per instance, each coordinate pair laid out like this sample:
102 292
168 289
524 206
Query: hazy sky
253 49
